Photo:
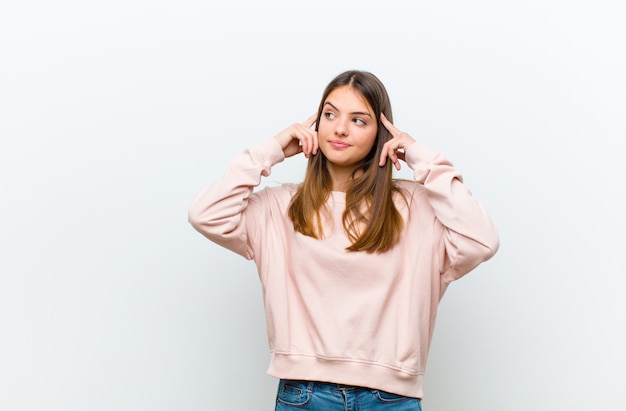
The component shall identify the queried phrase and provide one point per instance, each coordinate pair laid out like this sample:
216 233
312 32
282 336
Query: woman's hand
397 146
299 138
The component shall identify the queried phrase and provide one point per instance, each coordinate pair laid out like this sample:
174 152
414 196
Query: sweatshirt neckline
338 196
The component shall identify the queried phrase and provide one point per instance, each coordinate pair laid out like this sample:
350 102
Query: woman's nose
341 129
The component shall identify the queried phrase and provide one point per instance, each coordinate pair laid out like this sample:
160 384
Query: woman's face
347 129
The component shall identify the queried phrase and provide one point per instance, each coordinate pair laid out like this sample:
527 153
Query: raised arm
219 211
469 236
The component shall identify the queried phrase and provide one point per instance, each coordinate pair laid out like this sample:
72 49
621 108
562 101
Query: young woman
353 263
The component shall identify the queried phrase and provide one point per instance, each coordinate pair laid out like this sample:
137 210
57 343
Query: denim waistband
331 386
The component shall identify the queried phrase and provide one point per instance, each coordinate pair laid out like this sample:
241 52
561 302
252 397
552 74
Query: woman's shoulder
409 192
284 191
412 202
408 186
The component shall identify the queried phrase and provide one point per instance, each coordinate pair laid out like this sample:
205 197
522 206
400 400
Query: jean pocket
293 393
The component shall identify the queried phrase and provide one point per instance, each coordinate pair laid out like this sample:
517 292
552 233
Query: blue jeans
320 396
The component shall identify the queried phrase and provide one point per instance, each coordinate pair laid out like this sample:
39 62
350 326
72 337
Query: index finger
388 125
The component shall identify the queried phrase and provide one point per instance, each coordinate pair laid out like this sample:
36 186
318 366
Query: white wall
114 114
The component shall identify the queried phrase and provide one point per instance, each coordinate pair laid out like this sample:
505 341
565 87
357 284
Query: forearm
218 212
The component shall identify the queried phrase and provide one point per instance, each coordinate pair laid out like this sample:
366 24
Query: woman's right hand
299 138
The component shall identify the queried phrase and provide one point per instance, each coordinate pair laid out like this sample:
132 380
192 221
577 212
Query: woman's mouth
339 144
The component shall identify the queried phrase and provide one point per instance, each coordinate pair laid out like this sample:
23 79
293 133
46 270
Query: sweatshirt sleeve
468 235
219 211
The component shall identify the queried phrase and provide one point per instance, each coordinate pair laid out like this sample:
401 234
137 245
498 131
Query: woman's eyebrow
362 113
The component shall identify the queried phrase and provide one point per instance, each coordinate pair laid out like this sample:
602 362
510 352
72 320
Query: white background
114 114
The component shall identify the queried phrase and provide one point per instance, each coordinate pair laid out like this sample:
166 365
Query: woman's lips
339 144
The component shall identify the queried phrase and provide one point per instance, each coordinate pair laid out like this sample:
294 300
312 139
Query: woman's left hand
397 146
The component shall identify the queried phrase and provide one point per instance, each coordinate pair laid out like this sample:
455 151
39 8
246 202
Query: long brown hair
370 218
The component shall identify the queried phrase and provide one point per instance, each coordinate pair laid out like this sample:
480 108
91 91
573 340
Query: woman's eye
329 115
359 122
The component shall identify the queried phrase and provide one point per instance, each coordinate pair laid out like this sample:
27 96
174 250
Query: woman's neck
342 177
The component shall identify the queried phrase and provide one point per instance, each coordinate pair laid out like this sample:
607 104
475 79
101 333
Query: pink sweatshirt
349 317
